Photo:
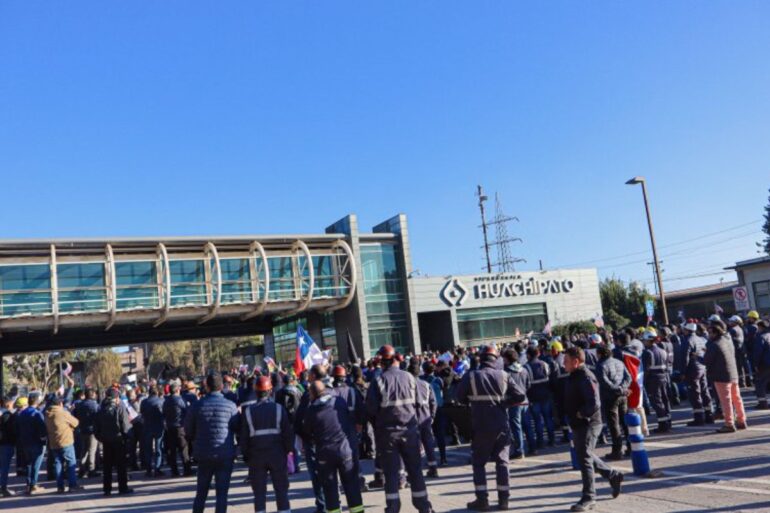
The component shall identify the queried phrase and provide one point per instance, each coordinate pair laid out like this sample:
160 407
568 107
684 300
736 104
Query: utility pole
636 181
654 280
482 199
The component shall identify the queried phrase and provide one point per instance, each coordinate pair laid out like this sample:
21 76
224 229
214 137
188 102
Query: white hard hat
735 319
714 317
691 326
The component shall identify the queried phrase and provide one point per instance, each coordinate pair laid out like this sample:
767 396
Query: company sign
454 292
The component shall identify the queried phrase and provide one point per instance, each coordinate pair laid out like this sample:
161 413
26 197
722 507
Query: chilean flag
634 365
308 353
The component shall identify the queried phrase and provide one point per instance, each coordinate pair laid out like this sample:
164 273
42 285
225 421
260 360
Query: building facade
754 274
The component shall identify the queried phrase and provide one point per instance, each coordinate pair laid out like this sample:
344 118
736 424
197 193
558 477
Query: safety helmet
691 326
640 330
490 350
714 317
596 338
339 372
556 346
264 384
753 315
650 334
735 319
386 352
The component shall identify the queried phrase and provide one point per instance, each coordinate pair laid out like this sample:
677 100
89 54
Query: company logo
454 293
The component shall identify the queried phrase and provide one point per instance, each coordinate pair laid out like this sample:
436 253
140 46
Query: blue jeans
33 454
542 411
518 417
221 470
6 455
153 451
62 456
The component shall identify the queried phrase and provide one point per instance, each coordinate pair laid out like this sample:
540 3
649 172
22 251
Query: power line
644 252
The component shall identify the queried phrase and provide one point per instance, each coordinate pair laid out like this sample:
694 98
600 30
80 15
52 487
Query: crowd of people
508 400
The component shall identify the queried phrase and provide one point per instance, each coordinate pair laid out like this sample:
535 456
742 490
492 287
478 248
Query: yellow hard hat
753 315
556 345
22 402
640 330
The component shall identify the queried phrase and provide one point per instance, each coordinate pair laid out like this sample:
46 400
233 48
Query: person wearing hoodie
722 370
112 426
61 425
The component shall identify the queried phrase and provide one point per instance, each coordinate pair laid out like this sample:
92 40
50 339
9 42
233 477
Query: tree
621 303
40 371
574 328
103 368
766 226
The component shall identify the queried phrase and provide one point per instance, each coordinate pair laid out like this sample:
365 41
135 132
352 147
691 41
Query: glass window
762 295
81 287
137 284
236 280
25 289
281 278
385 300
477 325
188 282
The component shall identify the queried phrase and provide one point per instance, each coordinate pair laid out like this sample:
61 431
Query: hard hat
264 384
386 352
650 334
596 338
556 346
339 371
691 326
22 402
735 319
490 350
640 330
753 315
714 317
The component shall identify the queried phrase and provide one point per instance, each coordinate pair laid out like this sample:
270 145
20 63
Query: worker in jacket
326 423
426 412
357 412
517 413
614 382
539 395
735 324
266 438
490 392
694 371
655 362
761 357
391 403
583 407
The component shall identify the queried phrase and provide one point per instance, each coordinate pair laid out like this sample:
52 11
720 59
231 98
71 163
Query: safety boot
479 505
502 504
709 418
432 472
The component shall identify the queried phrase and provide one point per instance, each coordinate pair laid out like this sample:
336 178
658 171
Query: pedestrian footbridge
62 293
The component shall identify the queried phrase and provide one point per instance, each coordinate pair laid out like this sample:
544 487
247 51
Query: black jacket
111 423
8 430
581 399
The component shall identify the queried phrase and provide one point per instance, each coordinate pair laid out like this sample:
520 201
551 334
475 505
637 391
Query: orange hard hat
386 352
339 372
264 384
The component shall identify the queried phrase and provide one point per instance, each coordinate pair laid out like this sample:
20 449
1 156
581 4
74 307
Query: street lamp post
636 181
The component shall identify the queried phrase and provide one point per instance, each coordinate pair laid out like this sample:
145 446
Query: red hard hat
490 350
386 352
264 384
339 372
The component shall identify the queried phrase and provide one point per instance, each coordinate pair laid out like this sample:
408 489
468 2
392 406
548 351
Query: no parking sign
741 298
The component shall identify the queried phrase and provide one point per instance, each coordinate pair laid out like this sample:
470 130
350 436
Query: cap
339 371
386 352
264 384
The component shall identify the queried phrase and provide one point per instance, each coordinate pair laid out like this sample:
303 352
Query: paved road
702 471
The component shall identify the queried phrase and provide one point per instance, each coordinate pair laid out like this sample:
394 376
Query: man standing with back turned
583 409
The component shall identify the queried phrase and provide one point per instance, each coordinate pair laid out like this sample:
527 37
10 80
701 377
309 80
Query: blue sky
185 117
